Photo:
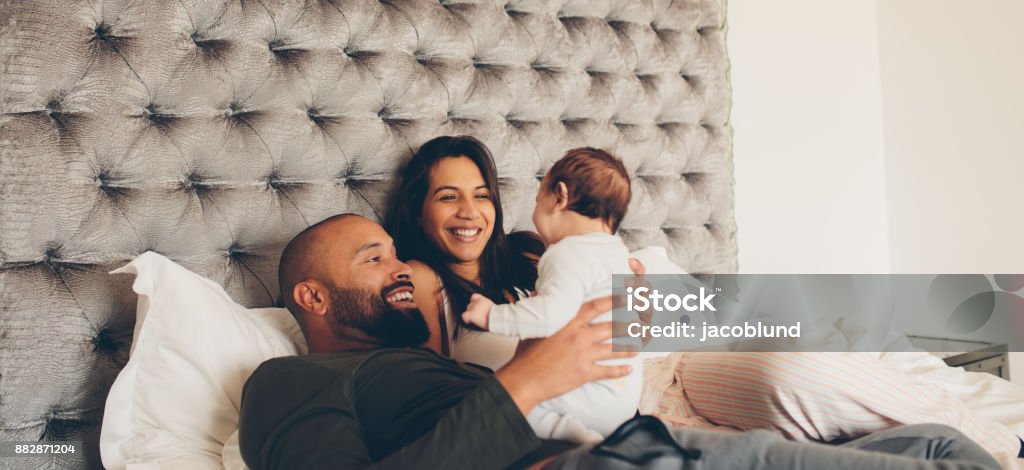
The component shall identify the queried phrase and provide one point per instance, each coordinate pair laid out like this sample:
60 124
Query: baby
581 202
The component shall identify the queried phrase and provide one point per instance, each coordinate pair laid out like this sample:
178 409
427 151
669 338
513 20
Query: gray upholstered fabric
212 131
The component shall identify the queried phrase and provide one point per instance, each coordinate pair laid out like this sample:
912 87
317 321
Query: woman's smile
465 235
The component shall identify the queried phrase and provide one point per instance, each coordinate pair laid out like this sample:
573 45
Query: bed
211 132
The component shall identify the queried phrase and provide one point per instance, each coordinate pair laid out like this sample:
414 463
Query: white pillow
176 402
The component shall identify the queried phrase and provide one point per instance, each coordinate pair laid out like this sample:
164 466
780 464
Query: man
366 396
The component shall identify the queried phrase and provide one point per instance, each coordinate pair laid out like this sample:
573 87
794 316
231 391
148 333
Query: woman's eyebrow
453 188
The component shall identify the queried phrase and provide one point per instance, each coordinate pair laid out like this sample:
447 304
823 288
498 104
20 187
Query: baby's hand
478 312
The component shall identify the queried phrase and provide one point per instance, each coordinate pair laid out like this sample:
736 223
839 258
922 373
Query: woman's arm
427 295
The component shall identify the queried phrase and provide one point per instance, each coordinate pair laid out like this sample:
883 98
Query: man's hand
478 312
638 281
564 361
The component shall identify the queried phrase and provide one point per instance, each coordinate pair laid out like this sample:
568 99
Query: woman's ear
561 196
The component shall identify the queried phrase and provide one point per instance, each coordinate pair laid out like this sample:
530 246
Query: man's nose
402 273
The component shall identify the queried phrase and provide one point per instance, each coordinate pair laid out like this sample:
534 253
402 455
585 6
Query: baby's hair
598 184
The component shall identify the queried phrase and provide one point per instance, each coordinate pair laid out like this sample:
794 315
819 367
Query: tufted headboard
213 131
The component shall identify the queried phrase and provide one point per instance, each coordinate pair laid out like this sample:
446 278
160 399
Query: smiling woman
447 223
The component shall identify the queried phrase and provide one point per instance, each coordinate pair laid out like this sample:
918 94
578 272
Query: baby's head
586 191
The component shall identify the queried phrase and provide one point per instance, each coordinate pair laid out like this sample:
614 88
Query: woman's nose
468 210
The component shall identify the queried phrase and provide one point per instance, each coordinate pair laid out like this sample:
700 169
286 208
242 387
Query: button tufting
59 429
235 111
194 183
52 259
156 115
210 46
315 116
110 344
49 255
102 32
53 107
274 182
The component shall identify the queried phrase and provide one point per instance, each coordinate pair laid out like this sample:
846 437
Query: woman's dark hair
507 262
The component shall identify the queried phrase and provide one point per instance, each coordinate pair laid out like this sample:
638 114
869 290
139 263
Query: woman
447 221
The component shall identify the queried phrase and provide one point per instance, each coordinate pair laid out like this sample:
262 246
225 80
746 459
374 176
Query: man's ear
561 196
310 296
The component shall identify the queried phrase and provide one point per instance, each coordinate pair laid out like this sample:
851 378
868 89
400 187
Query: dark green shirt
390 408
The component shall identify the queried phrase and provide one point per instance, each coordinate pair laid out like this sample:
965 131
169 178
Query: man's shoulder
309 364
330 366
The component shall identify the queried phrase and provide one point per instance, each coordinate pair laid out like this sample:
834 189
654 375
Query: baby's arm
478 311
560 291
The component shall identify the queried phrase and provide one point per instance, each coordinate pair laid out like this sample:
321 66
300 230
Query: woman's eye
448 197
374 259
483 196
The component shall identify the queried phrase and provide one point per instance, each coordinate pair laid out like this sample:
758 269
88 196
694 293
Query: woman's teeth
401 296
466 232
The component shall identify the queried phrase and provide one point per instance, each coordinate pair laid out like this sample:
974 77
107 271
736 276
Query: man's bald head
303 258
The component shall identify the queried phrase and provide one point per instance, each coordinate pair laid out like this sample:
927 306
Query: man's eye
375 259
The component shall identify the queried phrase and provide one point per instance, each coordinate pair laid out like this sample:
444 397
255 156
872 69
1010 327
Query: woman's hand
478 312
564 361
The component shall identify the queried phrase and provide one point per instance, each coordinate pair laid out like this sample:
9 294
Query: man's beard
369 312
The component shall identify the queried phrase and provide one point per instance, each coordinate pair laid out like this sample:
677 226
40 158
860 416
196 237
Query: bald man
368 397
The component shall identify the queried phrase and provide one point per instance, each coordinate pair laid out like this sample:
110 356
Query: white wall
879 136
954 136
808 147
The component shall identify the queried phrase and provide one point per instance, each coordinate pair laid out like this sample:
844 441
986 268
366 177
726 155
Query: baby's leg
600 406
549 424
